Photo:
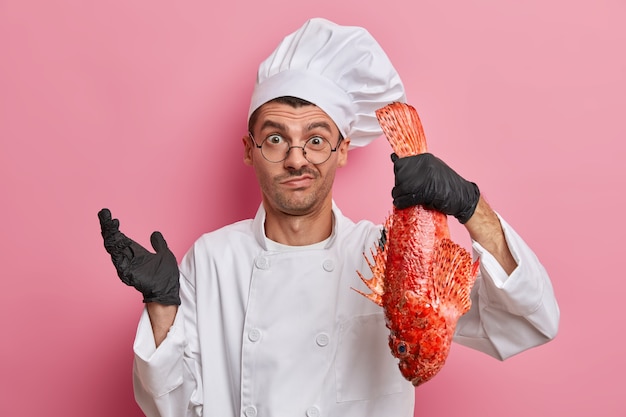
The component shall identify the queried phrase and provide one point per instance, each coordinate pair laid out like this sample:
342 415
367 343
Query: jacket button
250 411
322 339
313 412
254 335
262 262
328 265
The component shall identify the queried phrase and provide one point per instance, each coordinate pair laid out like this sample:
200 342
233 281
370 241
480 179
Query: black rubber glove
155 275
426 180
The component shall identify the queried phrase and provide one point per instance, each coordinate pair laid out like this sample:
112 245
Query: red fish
421 277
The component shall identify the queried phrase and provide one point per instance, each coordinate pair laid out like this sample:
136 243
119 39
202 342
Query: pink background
139 106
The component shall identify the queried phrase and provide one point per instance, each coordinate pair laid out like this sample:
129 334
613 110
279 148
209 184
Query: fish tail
403 129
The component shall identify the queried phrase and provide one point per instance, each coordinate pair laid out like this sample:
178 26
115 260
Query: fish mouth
416 381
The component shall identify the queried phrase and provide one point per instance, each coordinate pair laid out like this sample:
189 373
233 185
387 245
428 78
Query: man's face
295 186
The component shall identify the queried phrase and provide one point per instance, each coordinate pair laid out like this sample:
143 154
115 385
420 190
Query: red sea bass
421 278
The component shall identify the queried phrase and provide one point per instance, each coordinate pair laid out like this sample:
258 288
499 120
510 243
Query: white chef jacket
273 333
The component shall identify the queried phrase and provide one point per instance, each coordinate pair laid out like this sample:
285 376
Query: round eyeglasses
275 148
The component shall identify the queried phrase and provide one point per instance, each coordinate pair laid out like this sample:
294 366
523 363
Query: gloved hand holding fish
421 277
426 180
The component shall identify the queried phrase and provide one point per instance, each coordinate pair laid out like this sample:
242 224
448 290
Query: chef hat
341 69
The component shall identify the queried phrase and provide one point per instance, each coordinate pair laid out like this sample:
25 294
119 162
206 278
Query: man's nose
295 157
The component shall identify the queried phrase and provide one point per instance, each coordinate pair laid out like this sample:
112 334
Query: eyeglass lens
316 150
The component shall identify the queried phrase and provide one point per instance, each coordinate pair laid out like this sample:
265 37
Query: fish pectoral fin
454 274
374 297
378 266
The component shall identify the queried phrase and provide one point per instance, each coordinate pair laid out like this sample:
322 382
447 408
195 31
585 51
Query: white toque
341 69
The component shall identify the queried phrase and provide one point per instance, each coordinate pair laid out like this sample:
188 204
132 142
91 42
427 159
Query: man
260 318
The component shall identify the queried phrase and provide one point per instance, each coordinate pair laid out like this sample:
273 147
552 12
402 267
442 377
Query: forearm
161 320
509 314
484 227
162 381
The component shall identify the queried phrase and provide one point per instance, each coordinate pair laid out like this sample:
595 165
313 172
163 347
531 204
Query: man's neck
299 230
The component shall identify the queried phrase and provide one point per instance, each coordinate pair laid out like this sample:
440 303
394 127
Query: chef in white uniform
259 318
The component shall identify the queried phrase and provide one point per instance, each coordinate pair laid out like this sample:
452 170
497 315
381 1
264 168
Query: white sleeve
510 313
167 380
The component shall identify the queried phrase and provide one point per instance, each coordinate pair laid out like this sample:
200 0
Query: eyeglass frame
301 147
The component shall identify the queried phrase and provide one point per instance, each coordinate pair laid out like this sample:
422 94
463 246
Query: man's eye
317 143
274 139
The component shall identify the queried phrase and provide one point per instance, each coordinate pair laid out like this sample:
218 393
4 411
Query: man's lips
297 182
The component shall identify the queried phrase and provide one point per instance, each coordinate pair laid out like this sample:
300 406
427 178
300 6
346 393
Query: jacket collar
259 230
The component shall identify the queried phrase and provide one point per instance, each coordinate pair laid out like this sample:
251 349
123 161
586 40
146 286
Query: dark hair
294 102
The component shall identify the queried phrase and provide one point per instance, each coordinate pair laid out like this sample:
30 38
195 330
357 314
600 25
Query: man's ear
247 150
343 152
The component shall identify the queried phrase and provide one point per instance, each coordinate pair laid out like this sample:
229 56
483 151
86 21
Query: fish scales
420 276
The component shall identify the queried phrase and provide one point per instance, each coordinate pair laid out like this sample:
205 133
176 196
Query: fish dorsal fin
454 274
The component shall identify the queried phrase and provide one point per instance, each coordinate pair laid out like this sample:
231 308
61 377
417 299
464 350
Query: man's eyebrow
275 125
311 126
321 124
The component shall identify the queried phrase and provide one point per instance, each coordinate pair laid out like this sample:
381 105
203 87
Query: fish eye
402 349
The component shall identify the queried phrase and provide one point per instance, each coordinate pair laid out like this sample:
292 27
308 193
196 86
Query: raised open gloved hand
155 275
426 180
